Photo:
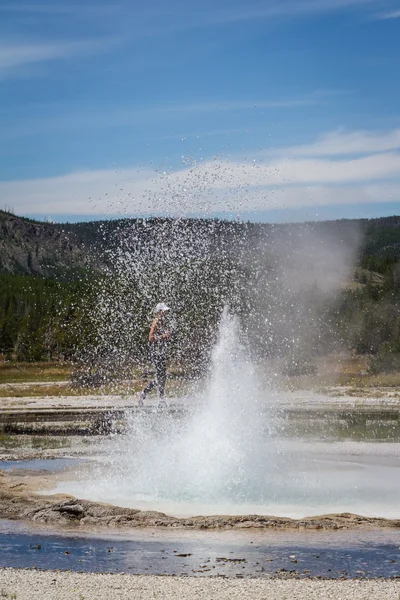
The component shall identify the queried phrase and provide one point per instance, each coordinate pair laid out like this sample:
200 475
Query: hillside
52 249
299 290
35 248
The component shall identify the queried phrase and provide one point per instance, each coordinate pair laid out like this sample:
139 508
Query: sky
267 110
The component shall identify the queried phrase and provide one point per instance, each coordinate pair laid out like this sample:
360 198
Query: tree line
99 313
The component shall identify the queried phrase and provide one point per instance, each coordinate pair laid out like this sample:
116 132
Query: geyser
211 456
223 456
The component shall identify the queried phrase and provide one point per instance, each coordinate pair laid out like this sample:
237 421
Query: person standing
159 337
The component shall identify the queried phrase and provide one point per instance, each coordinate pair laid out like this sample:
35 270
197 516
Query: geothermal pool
227 454
302 480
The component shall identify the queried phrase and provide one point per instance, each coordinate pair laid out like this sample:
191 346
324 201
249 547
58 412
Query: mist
281 281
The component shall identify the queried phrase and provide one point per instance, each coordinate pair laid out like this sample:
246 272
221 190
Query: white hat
161 306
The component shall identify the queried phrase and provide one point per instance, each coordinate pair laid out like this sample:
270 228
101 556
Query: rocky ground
21 584
59 426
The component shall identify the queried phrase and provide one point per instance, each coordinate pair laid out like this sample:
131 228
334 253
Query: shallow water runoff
204 553
225 455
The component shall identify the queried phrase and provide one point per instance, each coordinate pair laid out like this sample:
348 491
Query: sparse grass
308 382
30 372
40 442
31 377
35 442
350 372
388 380
347 385
8 442
40 391
11 596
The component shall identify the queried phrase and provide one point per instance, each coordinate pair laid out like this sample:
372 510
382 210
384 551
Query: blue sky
268 110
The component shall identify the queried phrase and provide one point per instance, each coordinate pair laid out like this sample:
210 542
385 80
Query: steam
280 281
309 266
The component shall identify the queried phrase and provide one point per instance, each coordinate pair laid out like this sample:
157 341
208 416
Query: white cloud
79 192
342 142
14 55
218 185
294 171
108 193
395 14
317 196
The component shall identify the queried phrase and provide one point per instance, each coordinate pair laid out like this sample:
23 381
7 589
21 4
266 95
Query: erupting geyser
224 457
230 450
211 457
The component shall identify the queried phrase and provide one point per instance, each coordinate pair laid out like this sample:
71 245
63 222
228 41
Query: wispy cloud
65 9
231 175
127 21
14 55
117 117
342 142
395 14
289 8
140 193
161 17
233 105
178 15
217 186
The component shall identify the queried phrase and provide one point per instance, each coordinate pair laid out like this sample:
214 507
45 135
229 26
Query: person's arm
153 330
153 337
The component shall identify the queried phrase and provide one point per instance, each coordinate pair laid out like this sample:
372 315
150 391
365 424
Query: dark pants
160 363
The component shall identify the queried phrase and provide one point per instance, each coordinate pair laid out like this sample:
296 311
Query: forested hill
52 249
67 289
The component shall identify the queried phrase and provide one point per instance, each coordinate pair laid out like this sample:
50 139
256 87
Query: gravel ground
22 584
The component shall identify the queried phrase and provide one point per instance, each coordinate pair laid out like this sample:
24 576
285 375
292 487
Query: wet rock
72 509
17 502
231 560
